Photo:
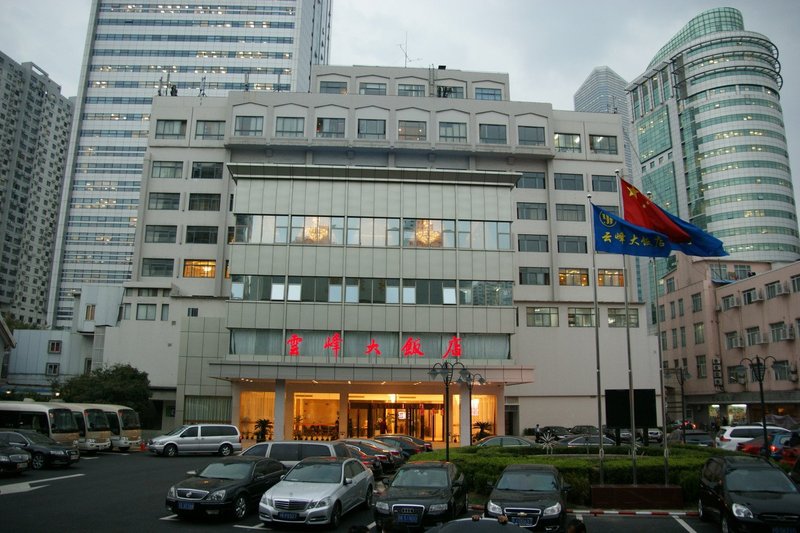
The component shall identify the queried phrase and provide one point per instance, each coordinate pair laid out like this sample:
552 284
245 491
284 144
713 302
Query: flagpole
601 452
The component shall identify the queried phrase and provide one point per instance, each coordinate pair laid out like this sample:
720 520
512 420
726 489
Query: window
699 333
485 93
89 314
567 142
700 365
680 307
164 312
777 331
534 276
674 338
750 296
124 312
616 317
330 128
206 171
670 286
405 89
602 144
532 180
697 302
453 132
576 277
735 372
204 202
376 89
542 317
610 277
683 336
531 211
289 126
145 311
569 182
87 366
445 91
167 170
333 87
773 289
192 311
157 268
532 243
571 212
199 268
411 130
163 234
170 129
732 340
741 271
248 126
201 234
531 135
580 317
664 344
781 370
719 271
728 302
604 183
572 244
164 200
54 347
795 283
371 128
210 130
52 369
753 336
492 134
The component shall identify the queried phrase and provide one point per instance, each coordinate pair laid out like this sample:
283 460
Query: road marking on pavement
26 485
259 526
686 526
86 458
170 517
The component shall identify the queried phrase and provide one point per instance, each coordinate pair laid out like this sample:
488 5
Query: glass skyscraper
138 52
711 143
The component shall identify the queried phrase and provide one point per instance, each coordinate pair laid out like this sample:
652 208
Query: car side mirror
348 481
191 473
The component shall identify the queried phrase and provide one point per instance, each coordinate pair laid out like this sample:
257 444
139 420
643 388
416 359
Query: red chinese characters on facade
294 344
453 348
334 343
412 347
373 347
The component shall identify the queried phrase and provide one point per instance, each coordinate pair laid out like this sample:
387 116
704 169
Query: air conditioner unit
782 288
789 334
758 296
718 308
763 338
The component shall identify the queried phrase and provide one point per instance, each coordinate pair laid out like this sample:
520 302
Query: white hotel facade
411 212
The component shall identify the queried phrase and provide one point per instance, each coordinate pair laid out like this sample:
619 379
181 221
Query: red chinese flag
639 210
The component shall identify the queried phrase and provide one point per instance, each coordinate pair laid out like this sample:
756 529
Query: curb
631 512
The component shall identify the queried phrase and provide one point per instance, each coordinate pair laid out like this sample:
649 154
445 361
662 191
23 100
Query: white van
223 439
729 436
291 452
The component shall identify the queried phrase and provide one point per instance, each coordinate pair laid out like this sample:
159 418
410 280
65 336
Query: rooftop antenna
404 48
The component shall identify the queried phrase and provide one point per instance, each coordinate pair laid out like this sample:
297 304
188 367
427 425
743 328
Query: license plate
22 466
407 518
186 506
522 522
784 530
287 516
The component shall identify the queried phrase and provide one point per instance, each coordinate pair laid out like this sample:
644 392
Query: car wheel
171 450
723 525
225 450
37 461
240 507
368 498
336 516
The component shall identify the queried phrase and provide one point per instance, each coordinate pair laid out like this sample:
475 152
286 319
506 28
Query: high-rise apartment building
136 53
34 135
710 136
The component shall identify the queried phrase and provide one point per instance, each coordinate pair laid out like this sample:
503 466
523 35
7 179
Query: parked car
13 460
370 461
291 452
748 493
794 474
505 441
729 436
584 430
318 490
404 444
231 485
694 437
44 451
422 494
655 434
416 440
223 439
552 432
389 462
531 496
397 454
585 440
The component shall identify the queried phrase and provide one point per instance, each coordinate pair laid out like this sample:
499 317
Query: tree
263 429
118 384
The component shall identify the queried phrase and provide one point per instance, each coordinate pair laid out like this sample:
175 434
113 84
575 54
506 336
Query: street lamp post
758 367
445 370
469 379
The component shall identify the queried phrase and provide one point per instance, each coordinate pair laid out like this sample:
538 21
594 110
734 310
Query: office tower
711 139
34 135
136 53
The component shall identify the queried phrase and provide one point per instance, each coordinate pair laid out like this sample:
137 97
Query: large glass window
204 202
333 87
492 134
534 276
210 130
567 142
610 277
616 317
542 317
573 277
201 234
569 182
699 333
289 126
453 132
170 129
164 200
248 126
486 93
571 212
531 135
602 144
531 211
317 230
152 267
203 170
572 244
604 183
167 170
163 234
490 293
371 128
580 317
405 89
330 128
532 243
449 91
199 268
145 311
532 180
412 130
377 89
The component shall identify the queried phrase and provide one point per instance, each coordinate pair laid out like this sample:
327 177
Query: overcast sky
547 48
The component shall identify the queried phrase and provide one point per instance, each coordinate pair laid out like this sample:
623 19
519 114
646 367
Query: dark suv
748 493
531 496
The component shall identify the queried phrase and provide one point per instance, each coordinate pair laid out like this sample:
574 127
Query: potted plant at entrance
263 427
484 429
298 429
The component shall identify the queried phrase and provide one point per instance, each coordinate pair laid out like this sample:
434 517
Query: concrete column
236 406
500 415
464 411
279 424
343 414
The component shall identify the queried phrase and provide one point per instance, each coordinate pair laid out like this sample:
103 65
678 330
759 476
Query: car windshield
315 473
767 480
533 481
420 477
177 431
226 471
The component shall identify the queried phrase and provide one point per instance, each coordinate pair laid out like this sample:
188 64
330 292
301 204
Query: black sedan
12 459
428 445
505 441
232 485
751 494
531 496
372 462
404 444
44 450
422 494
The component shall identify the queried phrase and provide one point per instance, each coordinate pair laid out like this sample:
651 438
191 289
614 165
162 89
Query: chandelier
314 232
428 233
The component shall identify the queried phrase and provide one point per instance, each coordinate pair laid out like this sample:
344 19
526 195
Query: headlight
553 510
437 508
266 499
324 502
740 511
58 452
382 506
4 459
90 441
171 492
494 508
216 496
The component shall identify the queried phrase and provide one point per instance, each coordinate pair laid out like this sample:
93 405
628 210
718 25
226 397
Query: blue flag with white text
616 236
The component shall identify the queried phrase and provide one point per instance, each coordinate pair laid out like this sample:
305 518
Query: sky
547 48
